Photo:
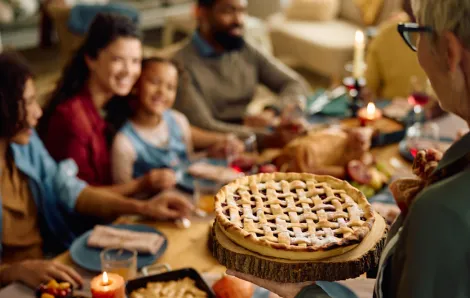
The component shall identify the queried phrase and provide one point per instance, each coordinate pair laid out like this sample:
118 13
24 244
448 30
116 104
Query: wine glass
422 136
419 97
349 81
246 161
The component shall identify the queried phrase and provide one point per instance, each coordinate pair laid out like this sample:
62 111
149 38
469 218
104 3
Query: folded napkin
143 242
336 107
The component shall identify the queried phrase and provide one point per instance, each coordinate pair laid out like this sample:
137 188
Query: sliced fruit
45 295
355 184
376 181
53 291
52 284
64 285
367 191
358 172
384 169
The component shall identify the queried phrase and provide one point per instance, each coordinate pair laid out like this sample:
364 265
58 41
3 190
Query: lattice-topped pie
293 216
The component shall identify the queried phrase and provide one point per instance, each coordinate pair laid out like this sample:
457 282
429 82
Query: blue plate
334 289
89 257
406 154
185 181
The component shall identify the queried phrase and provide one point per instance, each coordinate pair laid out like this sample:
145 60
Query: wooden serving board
349 265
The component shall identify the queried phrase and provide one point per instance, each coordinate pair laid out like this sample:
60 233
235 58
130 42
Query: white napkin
143 242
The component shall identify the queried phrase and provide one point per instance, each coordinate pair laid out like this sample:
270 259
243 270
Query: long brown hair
104 30
13 76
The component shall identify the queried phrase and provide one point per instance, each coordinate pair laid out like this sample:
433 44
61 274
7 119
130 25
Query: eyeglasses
410 33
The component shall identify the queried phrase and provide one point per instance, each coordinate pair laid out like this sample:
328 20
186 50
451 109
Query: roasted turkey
326 151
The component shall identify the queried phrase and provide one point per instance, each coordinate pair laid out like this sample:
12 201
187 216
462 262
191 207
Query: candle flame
371 108
105 278
359 37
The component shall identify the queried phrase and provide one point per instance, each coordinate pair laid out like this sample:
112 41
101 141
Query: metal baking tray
136 284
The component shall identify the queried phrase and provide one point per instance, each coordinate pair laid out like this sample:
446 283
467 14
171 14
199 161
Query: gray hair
445 15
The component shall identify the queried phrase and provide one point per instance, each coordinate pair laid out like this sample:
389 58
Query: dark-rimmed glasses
410 33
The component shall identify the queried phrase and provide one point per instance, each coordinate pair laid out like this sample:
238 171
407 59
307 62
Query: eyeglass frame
403 28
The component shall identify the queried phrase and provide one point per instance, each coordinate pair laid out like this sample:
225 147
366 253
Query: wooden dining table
188 247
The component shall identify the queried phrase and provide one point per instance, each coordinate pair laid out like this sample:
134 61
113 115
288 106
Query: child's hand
160 179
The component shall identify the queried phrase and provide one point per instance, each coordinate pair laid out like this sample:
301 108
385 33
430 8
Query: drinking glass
204 194
121 261
348 81
420 94
422 136
245 162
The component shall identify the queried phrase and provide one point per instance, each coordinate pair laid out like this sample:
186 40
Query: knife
325 99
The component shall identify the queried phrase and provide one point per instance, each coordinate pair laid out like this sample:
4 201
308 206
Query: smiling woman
107 65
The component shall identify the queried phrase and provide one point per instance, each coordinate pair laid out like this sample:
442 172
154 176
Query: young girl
157 136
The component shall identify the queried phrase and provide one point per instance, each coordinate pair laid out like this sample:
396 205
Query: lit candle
108 285
369 114
359 49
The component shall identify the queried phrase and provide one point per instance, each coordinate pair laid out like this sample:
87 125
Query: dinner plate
185 182
334 289
406 154
89 257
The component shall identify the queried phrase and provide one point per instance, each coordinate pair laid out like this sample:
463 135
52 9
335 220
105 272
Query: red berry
52 291
63 293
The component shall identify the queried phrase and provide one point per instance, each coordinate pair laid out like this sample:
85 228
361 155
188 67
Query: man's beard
228 41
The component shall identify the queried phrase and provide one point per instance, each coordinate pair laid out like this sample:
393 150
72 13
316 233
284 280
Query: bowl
55 289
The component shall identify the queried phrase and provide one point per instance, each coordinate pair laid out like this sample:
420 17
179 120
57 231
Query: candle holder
108 285
355 86
368 115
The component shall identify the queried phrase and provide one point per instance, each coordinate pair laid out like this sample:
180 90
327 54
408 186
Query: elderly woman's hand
426 162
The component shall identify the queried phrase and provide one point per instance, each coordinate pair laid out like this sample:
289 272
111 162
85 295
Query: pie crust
294 216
